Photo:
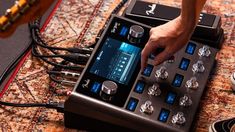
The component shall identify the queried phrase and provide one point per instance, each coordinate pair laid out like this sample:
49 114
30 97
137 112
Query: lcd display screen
116 61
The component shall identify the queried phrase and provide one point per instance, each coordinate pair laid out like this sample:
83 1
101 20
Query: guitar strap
17 45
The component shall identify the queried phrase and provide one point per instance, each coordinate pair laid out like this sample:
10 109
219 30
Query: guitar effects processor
113 94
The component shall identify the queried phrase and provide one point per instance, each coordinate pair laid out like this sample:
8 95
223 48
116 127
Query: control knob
154 90
192 83
204 51
198 67
161 73
185 101
108 89
135 34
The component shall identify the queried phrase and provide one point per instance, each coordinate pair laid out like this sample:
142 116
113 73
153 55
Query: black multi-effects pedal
113 94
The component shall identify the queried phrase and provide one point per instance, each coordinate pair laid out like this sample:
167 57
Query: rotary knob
147 107
178 119
198 67
108 90
204 51
135 34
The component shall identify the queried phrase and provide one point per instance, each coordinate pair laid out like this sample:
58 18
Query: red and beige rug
76 23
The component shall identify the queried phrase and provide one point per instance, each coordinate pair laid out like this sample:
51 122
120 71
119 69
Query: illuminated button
123 31
185 101
184 64
192 83
154 90
148 70
190 49
198 67
170 98
131 106
161 73
178 119
147 107
95 87
178 80
204 51
139 88
164 114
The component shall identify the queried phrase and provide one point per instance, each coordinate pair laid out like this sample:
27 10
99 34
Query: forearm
190 12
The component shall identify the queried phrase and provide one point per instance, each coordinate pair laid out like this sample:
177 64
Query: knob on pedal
192 83
198 67
147 107
178 119
154 90
204 51
108 89
161 73
135 34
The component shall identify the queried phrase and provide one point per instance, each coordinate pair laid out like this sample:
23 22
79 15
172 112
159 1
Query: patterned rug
76 23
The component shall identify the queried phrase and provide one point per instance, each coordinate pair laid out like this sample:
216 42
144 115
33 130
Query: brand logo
152 9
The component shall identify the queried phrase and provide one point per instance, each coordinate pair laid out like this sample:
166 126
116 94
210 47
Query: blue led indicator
190 48
163 116
178 80
132 104
170 98
184 64
123 31
139 88
148 70
95 87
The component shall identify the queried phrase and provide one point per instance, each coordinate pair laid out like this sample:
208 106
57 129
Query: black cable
52 105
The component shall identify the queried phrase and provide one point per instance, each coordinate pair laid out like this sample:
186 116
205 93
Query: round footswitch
204 51
154 90
198 67
185 101
192 83
161 73
147 108
179 119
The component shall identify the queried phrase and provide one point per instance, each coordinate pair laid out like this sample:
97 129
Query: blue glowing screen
116 61
132 104
148 70
139 88
184 64
96 87
170 98
190 48
178 80
163 116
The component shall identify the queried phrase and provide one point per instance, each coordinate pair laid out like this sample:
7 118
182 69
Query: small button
147 108
139 88
204 51
131 106
148 70
178 80
164 114
184 64
179 119
190 49
198 67
154 90
96 87
170 98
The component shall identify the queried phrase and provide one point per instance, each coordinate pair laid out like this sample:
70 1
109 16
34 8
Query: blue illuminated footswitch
184 64
148 70
139 88
96 87
190 49
164 114
170 98
178 80
131 106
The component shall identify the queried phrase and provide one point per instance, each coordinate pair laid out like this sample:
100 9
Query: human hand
171 36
